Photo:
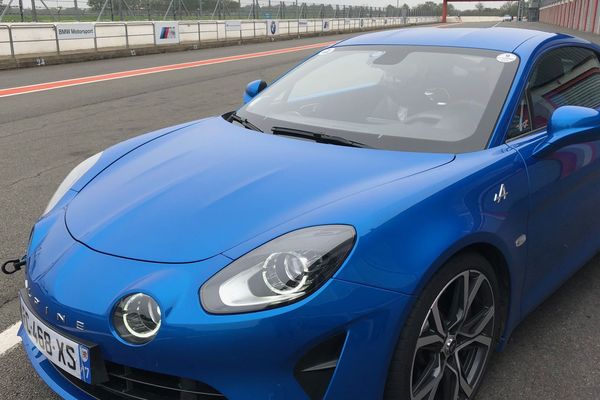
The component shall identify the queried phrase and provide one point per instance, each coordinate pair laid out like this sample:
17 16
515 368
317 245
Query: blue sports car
372 225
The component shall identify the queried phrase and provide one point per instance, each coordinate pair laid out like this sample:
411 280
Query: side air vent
315 369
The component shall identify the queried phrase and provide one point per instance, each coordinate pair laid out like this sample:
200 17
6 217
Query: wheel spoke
428 340
455 389
478 323
437 319
480 339
462 381
428 384
435 387
475 287
460 299
428 372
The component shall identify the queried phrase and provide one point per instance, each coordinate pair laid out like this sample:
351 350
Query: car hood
210 186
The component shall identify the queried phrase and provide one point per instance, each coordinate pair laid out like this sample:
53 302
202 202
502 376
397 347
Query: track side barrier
44 40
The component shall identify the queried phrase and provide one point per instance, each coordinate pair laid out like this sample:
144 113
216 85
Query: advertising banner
233 25
75 31
166 32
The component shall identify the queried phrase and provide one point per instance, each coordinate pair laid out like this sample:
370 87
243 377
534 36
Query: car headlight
137 318
282 271
70 180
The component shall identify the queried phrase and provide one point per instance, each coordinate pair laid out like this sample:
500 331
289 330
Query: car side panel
432 216
564 222
563 232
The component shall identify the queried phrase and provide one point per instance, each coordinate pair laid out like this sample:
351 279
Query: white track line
9 338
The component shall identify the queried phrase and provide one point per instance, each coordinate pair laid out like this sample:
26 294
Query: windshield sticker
377 54
506 57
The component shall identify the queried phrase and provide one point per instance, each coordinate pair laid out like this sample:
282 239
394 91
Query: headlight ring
137 318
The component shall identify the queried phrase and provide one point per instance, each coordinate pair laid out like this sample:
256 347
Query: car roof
501 39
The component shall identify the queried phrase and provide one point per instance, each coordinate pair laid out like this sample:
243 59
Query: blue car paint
370 316
501 39
198 192
412 212
119 150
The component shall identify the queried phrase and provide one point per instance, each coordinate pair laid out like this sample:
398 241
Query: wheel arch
500 265
498 256
499 262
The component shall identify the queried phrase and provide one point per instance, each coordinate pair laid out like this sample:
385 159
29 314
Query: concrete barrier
41 40
474 18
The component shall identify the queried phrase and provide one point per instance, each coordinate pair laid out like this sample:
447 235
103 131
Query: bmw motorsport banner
166 32
75 31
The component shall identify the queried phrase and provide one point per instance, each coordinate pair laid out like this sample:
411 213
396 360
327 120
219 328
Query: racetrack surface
553 354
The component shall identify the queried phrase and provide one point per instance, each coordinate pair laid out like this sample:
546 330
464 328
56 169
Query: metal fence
154 10
43 39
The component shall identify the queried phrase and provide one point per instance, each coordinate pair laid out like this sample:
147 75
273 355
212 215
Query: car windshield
410 98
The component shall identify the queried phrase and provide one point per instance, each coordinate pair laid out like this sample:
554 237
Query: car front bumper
49 374
261 355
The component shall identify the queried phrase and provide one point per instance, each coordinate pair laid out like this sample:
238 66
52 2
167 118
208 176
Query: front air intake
132 383
315 369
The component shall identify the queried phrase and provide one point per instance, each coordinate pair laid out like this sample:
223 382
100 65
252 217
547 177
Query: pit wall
581 15
474 18
43 40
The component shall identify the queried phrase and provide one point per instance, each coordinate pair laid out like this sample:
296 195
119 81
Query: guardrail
33 39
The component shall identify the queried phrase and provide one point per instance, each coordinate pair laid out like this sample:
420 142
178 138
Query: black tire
466 270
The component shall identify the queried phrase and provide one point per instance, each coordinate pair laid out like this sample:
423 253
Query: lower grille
132 383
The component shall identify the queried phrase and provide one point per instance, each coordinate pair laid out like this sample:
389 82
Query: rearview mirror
254 88
570 125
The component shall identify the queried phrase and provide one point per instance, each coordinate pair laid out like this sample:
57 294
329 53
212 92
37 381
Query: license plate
70 356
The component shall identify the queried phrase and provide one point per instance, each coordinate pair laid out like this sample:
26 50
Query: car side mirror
570 125
254 88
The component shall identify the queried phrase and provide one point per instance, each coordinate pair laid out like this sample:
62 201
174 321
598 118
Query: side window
565 76
521 121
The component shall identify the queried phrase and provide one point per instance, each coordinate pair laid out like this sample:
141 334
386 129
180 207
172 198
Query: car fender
408 229
119 150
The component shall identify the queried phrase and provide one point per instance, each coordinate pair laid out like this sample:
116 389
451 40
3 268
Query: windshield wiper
233 117
317 137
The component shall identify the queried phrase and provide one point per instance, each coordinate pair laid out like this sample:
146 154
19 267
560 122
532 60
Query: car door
564 218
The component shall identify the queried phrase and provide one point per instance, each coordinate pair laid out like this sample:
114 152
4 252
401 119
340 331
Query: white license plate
70 356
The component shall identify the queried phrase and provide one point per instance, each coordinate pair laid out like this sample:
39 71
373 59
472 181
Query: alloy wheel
455 340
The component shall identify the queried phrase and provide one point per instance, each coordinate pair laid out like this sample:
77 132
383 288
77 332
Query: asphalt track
553 354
